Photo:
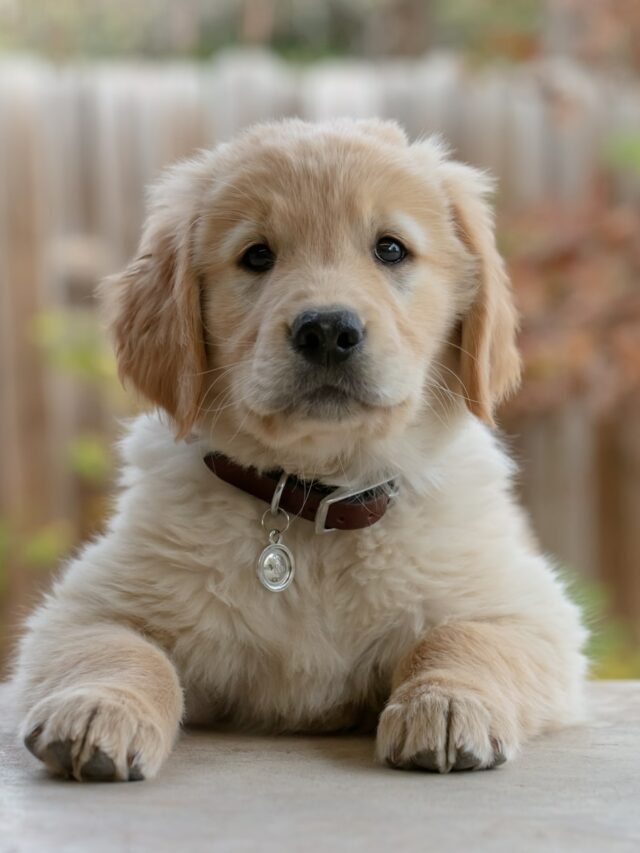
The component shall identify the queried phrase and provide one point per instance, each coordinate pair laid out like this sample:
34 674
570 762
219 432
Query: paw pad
99 768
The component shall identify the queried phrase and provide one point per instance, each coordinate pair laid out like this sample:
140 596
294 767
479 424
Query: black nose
327 337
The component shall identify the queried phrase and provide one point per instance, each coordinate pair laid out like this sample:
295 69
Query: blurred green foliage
613 650
303 30
5 543
73 345
602 33
44 546
90 458
492 30
622 152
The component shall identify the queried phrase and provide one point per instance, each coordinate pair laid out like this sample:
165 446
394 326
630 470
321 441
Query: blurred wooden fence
78 145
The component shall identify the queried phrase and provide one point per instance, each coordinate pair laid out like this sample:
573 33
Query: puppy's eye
388 250
258 258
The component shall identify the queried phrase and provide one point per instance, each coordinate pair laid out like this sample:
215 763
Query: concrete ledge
578 790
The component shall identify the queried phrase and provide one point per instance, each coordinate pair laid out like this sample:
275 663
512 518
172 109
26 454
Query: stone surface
577 790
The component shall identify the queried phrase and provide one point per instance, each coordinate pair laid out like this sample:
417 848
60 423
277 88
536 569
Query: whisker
463 350
224 367
466 396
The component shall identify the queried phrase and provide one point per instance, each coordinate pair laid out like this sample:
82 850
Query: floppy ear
153 307
488 358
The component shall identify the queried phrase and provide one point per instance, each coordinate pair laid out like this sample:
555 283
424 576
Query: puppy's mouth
328 395
339 409
324 398
328 402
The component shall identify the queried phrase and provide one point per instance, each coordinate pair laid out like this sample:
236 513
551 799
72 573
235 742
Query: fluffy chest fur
180 557
330 641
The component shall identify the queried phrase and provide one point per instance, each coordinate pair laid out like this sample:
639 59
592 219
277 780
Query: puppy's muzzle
327 337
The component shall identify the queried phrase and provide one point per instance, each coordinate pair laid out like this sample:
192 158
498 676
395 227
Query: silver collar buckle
344 492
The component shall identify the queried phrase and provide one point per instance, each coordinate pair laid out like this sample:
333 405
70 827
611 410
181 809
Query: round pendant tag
275 567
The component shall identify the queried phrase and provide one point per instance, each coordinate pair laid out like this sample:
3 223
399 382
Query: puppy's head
314 286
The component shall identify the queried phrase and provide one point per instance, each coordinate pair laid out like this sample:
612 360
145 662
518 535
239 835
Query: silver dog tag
276 566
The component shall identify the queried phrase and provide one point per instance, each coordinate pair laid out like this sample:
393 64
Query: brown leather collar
329 507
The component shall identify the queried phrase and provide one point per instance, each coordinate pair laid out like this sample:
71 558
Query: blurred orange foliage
576 274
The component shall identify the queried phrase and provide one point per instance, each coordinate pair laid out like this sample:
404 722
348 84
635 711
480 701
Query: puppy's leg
471 692
102 702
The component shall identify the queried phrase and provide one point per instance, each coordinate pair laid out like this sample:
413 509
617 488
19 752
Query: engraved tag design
276 566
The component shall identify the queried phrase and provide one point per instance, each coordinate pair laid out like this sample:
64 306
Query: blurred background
97 95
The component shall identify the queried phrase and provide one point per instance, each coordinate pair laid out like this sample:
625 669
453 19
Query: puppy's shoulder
151 454
460 454
484 451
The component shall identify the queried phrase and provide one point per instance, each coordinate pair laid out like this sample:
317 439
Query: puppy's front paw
439 728
95 734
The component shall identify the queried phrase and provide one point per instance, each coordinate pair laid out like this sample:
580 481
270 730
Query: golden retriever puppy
321 317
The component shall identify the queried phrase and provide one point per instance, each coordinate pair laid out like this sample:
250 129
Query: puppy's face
309 286
325 263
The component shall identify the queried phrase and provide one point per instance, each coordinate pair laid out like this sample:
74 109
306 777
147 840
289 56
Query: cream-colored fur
445 612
